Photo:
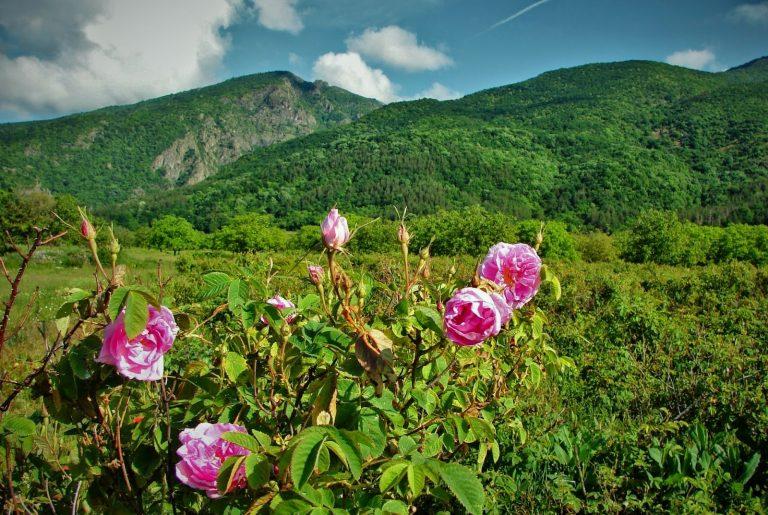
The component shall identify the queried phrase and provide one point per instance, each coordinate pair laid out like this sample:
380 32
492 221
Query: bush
173 233
469 231
557 243
596 247
250 232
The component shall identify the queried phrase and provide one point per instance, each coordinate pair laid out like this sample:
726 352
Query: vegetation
593 145
109 155
665 411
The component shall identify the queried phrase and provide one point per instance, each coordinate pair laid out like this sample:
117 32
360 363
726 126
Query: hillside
591 145
112 154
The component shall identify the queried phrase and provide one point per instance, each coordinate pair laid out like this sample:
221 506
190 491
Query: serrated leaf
304 456
416 479
234 365
18 426
429 318
464 485
395 507
116 302
244 440
228 473
392 475
353 457
556 288
217 282
136 314
257 470
237 294
535 373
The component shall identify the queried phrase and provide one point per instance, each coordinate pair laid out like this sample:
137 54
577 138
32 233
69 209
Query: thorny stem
169 467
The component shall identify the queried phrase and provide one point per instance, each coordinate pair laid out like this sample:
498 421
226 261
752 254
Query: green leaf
217 282
305 454
749 468
556 288
234 365
292 507
244 440
257 470
416 479
429 318
18 426
464 485
352 455
392 475
136 314
395 507
228 473
116 302
535 373
237 294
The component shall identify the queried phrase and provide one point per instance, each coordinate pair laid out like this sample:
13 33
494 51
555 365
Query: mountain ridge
177 139
592 145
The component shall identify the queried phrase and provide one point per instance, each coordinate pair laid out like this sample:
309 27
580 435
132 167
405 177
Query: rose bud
87 230
402 235
316 274
335 230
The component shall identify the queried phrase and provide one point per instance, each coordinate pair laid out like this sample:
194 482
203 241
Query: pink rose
335 230
472 316
202 453
316 273
516 268
281 303
142 357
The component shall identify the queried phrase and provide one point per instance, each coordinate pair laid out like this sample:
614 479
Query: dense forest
112 154
591 145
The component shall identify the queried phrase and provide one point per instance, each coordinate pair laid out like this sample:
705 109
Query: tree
655 237
174 233
250 232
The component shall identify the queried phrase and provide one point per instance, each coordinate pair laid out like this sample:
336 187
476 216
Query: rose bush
366 395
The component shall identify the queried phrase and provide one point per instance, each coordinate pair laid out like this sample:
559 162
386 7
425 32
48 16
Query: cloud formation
279 15
399 48
349 71
438 92
696 59
751 13
92 54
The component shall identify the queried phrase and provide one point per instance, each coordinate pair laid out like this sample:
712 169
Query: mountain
112 154
590 145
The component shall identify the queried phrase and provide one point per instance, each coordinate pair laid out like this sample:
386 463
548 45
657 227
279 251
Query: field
665 410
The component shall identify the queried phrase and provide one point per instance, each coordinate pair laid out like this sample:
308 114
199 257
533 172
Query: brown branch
60 343
25 259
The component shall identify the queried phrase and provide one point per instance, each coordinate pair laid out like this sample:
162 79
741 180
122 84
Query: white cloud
349 71
279 15
123 52
399 48
696 59
295 59
751 13
438 92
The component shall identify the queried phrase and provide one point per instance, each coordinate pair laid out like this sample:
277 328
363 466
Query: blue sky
61 56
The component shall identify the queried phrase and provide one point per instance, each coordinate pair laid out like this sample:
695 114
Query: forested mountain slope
121 152
593 144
